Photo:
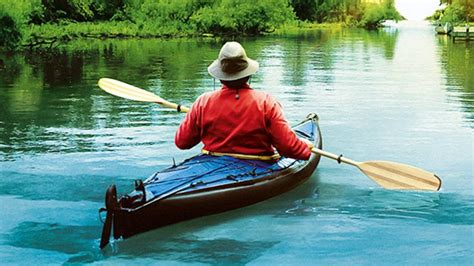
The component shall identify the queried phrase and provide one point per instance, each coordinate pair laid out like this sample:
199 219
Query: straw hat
232 63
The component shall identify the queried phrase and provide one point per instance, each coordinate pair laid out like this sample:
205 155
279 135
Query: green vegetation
30 23
352 12
375 14
456 12
243 17
14 18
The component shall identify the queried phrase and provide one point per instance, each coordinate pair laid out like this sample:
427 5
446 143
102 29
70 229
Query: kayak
204 185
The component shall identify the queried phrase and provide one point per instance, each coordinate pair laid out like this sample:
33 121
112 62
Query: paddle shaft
177 107
333 156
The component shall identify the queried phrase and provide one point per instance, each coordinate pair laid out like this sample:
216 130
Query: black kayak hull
186 204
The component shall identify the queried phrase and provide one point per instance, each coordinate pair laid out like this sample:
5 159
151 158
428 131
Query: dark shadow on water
52 236
194 250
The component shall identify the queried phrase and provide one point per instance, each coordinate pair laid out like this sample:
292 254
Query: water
401 94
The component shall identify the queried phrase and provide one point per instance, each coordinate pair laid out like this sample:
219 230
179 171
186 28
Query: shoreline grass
49 33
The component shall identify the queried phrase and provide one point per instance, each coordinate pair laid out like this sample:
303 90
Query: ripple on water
336 199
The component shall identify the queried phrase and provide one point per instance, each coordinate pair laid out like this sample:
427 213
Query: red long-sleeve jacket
252 123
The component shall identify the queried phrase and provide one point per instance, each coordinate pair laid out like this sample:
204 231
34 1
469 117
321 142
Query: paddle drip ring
339 159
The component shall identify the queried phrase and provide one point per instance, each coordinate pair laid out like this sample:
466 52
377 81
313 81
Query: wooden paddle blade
127 91
392 175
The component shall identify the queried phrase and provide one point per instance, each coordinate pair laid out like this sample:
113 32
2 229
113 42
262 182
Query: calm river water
400 94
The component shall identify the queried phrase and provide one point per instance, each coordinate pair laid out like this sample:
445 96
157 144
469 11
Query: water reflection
457 60
52 90
315 53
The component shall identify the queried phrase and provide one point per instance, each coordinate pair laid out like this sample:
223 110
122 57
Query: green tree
107 9
76 10
10 34
304 9
375 14
243 16
14 17
445 2
456 11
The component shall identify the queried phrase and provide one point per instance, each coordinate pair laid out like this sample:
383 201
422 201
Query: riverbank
55 34
49 34
32 23
302 27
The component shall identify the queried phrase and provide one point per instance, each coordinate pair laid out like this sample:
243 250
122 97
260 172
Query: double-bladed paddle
389 175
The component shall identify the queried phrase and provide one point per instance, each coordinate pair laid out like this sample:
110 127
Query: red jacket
252 124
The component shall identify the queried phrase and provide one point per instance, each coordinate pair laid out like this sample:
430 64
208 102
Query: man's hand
309 143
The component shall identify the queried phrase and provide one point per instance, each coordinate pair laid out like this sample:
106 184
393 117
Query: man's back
241 121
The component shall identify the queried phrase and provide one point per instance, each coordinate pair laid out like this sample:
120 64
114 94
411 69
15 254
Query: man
237 120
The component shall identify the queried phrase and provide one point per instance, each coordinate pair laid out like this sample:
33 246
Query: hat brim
215 70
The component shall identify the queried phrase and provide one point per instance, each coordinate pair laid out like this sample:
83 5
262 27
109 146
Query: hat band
232 65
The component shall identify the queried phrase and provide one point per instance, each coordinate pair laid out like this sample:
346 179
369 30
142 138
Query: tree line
29 22
455 12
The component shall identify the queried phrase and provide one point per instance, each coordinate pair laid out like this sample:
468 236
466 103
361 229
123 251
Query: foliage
469 11
243 16
352 12
391 13
453 13
375 14
445 2
75 10
437 15
14 16
171 15
456 12
372 17
26 22
108 9
10 35
327 10
305 10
